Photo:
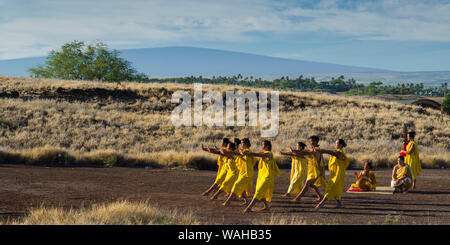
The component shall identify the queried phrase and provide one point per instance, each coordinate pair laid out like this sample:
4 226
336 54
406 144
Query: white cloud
389 20
44 25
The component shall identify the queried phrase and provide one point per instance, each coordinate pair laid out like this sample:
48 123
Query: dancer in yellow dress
412 158
401 176
337 165
244 184
366 179
316 171
267 169
232 172
221 171
298 170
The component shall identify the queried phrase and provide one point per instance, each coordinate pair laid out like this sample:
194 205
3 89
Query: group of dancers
236 164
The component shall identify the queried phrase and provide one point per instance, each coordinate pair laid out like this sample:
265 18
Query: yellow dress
222 170
244 183
231 176
370 184
298 174
337 169
402 172
413 160
314 168
266 171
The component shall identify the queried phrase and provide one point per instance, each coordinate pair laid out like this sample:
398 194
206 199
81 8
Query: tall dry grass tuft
53 156
50 121
276 219
117 213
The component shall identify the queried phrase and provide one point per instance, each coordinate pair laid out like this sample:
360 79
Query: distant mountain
19 67
187 61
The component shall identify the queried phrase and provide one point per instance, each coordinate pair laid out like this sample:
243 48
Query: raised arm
410 150
300 153
254 154
337 154
229 153
286 153
211 150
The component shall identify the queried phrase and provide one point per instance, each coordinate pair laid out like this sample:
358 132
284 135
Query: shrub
78 61
446 103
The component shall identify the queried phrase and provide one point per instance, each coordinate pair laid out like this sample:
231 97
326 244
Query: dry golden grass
45 121
117 213
142 213
276 219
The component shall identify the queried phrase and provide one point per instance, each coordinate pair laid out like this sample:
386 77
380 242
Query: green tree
446 103
78 61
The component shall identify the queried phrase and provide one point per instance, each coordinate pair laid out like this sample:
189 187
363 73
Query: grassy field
116 213
141 213
55 122
123 195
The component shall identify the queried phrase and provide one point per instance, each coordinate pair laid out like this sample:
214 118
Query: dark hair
232 146
412 134
225 141
369 163
402 158
315 138
302 145
237 141
247 142
342 143
268 144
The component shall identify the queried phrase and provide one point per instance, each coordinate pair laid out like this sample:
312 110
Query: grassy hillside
45 121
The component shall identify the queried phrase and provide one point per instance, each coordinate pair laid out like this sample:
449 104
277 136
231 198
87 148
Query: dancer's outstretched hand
241 152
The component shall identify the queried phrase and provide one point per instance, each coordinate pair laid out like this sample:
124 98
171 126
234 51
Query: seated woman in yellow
232 173
337 165
315 175
221 171
298 170
244 184
267 168
401 176
366 179
412 158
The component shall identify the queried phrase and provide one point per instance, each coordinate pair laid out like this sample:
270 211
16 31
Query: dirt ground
23 187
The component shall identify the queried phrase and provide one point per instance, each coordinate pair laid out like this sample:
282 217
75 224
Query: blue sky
402 35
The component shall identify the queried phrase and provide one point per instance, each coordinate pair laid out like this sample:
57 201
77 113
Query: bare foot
213 198
244 203
285 195
318 199
226 204
246 210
